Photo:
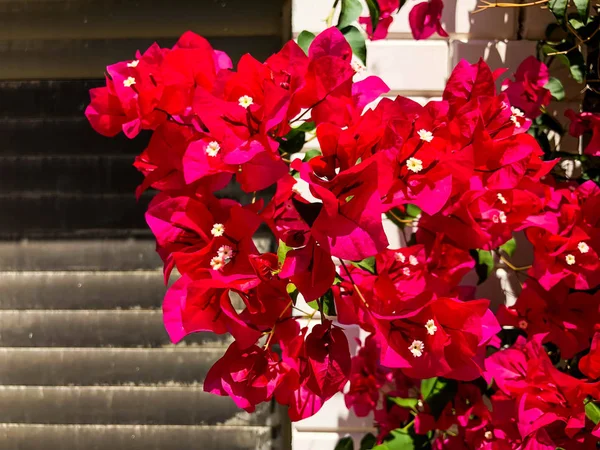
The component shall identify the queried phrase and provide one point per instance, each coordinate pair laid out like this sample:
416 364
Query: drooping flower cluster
462 173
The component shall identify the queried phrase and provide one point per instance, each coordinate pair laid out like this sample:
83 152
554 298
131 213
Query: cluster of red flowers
466 162
424 19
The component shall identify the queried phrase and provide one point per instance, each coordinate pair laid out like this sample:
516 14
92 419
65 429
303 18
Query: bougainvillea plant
460 177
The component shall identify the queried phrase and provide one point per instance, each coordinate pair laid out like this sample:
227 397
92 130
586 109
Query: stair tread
106 366
65 58
188 405
134 437
81 289
84 328
76 254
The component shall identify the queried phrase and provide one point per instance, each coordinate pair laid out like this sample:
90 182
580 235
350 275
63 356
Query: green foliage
327 303
367 264
345 443
282 251
484 264
400 440
559 9
509 247
374 13
437 392
556 88
310 154
408 403
356 39
305 38
592 411
368 442
351 10
582 7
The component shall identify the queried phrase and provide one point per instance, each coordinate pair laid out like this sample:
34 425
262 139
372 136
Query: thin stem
354 286
391 213
329 19
513 267
487 5
272 332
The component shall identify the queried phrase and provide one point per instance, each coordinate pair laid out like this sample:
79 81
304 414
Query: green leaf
413 210
293 142
437 392
556 88
310 154
292 290
327 302
400 441
546 121
582 7
409 403
306 127
374 13
367 264
509 247
305 38
351 10
576 65
357 41
345 443
368 442
484 264
282 251
592 411
431 387
559 9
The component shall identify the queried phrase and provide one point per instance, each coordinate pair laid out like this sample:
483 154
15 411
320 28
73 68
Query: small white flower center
583 247
133 63
570 259
400 257
414 165
489 435
212 149
417 348
225 252
412 259
502 199
218 230
516 114
502 217
406 271
425 135
217 263
245 101
431 327
129 82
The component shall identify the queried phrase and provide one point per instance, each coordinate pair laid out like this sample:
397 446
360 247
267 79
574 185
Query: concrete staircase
85 362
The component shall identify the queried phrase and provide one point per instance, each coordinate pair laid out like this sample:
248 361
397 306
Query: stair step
122 405
112 18
90 174
24 213
119 328
46 97
53 59
105 366
82 290
133 437
118 254
62 135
